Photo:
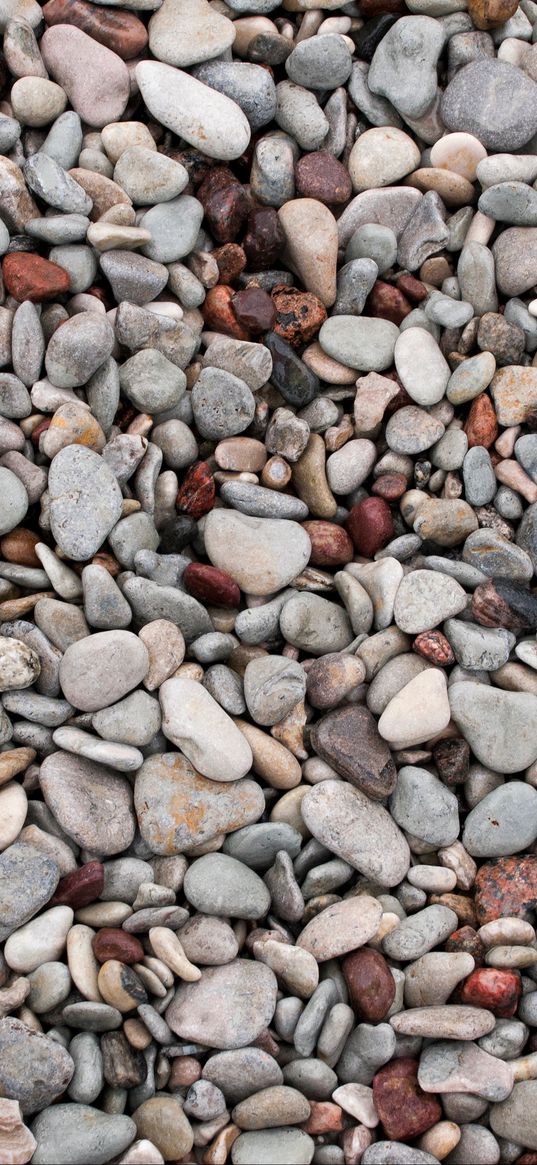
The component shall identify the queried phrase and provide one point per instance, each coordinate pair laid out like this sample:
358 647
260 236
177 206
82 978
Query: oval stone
91 804
228 1007
85 501
358 830
341 928
178 809
262 555
98 670
207 120
196 724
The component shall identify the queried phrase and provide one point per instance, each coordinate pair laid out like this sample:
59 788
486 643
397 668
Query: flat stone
78 63
419 933
413 430
208 120
454 1066
356 829
273 1147
85 500
178 809
424 807
196 723
494 101
219 884
451 1022
34 1069
421 366
91 804
499 725
514 392
240 1071
228 1007
515 1116
418 712
348 740
425 598
100 669
183 34
75 1134
503 822
341 928
28 879
261 554
359 342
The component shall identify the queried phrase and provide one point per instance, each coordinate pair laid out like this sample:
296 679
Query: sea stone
228 1007
98 670
515 1118
92 804
78 63
28 879
341 928
198 725
494 101
207 120
262 555
85 501
358 830
348 740
498 725
34 1069
370 983
178 809
404 1109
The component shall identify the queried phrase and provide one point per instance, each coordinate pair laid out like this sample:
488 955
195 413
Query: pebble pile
268 605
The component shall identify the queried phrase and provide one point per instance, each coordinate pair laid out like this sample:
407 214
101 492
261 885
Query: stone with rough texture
356 829
260 554
90 802
499 725
228 1008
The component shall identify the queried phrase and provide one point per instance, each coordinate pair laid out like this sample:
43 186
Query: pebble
206 119
273 552
229 1005
79 1133
78 63
29 1057
337 815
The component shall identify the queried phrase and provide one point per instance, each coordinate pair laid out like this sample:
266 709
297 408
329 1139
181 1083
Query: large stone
100 669
198 725
208 120
178 809
498 725
34 1069
358 830
347 739
494 101
262 555
92 804
85 501
341 928
515 1118
28 879
228 1007
75 1134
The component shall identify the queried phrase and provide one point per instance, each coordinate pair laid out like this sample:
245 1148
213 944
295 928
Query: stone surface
228 1008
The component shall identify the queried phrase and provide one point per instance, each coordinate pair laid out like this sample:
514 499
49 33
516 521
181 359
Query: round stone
421 366
382 156
14 501
359 342
498 725
228 1007
425 598
100 669
221 885
91 804
494 101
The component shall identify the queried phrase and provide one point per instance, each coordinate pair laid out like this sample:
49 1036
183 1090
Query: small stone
370 983
187 708
347 739
100 669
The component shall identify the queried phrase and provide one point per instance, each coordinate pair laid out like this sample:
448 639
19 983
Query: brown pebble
320 175
481 426
19 546
300 314
114 943
371 984
185 1071
264 238
387 302
231 261
120 986
330 544
276 474
254 309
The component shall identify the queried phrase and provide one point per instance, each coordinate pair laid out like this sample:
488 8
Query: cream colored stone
311 245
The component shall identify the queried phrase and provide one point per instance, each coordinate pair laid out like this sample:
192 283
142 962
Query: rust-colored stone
80 887
330 544
197 492
120 31
491 13
433 646
326 1118
219 315
452 759
481 426
370 983
497 990
413 288
185 1071
404 1109
226 203
370 525
254 309
29 276
387 302
466 941
231 261
506 888
113 943
320 175
390 486
264 238
210 585
300 314
19 546
461 904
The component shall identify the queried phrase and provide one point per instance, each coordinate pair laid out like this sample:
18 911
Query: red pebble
254 309
120 31
29 276
210 585
412 287
498 991
370 983
219 315
467 941
506 888
325 1118
387 302
434 646
481 426
113 943
404 1109
370 525
390 486
80 887
197 493
330 544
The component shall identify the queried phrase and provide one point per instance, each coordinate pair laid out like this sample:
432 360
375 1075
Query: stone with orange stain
219 1149
219 315
72 424
325 1119
481 426
29 276
300 314
178 809
514 392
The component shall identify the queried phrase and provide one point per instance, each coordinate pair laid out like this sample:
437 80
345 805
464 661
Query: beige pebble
15 761
440 1140
481 228
357 1100
455 857
311 238
166 648
271 760
17 1143
167 947
506 930
36 101
109 236
119 136
137 1034
459 152
506 441
13 808
310 481
82 963
242 454
120 986
13 996
54 847
142 1152
512 474
104 913
248 28
326 367
151 982
511 957
42 940
388 922
432 879
451 1022
297 968
288 809
454 190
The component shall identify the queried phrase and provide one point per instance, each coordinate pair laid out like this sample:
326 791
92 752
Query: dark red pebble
80 887
113 943
197 493
404 1109
210 585
370 525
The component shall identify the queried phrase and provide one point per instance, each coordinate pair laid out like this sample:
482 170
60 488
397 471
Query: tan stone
311 243
17 1145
